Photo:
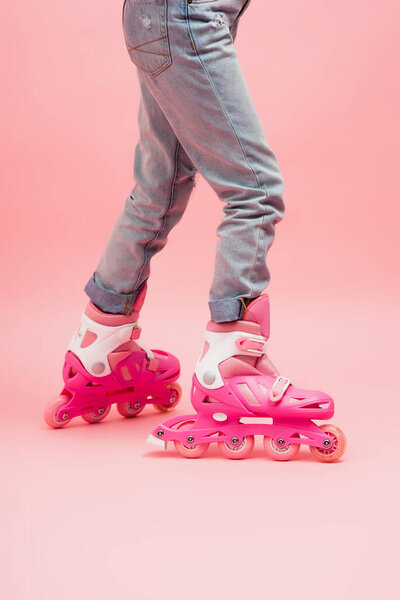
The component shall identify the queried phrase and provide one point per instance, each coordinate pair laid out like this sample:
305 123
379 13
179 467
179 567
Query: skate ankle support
104 340
221 346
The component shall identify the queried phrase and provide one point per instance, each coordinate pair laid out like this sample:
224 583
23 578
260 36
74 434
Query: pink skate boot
233 383
106 364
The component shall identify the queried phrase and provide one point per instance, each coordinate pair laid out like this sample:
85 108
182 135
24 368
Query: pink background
93 512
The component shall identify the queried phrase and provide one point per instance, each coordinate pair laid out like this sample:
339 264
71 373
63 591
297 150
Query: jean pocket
146 34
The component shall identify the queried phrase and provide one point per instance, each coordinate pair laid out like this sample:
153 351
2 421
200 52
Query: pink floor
94 512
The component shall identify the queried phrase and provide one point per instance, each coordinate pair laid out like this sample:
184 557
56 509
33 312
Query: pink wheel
50 413
174 398
277 452
238 451
130 409
186 449
337 448
97 416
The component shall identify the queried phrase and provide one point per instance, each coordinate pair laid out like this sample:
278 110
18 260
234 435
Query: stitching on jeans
257 250
138 48
148 52
163 37
126 305
235 134
165 215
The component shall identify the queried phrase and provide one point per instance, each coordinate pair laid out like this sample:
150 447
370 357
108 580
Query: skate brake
157 442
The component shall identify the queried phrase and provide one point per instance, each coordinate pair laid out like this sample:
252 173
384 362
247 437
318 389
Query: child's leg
106 362
164 179
187 59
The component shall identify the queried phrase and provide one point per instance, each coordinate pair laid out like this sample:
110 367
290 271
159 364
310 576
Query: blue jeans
195 115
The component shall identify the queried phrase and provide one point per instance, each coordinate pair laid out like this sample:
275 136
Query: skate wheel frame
326 442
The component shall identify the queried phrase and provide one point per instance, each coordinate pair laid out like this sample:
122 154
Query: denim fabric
196 114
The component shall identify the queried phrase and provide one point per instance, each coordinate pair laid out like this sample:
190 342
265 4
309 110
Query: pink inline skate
235 386
105 364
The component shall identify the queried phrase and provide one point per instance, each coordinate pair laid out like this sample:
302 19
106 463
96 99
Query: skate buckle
136 331
251 345
280 386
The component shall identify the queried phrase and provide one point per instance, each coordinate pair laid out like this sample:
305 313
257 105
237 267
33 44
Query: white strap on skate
223 346
279 388
251 345
94 356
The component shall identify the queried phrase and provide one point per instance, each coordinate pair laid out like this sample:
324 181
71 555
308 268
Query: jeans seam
260 229
235 134
164 217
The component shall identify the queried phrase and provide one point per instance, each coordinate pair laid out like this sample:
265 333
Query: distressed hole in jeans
146 21
217 21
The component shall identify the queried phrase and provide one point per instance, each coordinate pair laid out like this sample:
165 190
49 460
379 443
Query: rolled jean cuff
107 300
228 309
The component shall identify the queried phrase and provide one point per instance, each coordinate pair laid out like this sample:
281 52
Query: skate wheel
97 416
187 450
130 409
174 398
51 411
287 452
336 451
238 451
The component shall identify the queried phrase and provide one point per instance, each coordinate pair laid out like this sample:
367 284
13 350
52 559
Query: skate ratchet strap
153 364
152 360
136 331
252 346
280 386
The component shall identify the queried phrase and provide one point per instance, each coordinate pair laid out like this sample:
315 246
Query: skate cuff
279 388
252 346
